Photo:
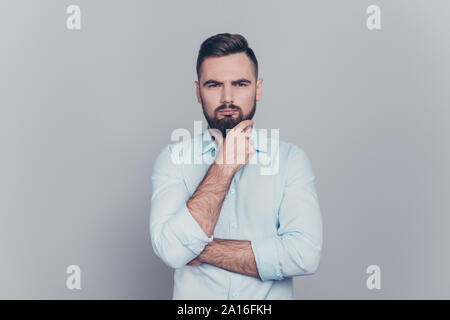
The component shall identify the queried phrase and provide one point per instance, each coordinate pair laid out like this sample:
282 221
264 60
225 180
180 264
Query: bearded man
229 231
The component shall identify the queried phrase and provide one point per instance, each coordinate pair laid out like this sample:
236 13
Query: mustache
227 106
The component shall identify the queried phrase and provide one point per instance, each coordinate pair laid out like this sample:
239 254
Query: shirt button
234 225
232 190
235 294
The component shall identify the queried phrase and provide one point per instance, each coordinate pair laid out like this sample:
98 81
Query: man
230 231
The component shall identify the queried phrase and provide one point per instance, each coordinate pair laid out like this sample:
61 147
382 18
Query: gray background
83 115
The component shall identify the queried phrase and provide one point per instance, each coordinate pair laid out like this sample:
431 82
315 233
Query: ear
259 89
197 92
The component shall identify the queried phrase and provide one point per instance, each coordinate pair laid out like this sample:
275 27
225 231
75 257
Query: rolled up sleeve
176 236
296 249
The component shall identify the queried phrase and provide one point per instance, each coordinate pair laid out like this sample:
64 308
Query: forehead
227 68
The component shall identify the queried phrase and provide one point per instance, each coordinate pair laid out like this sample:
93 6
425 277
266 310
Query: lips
228 111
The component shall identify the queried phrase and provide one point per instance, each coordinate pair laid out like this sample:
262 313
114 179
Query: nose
227 94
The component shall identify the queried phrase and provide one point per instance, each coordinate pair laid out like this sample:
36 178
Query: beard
227 122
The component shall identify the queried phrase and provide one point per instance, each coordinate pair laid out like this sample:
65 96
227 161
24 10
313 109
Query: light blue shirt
271 202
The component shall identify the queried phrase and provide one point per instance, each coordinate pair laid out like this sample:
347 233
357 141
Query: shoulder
290 151
296 161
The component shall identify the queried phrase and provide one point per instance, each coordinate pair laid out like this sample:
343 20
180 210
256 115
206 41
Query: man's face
228 90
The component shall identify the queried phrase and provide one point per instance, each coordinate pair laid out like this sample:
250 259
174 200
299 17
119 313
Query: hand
236 149
194 262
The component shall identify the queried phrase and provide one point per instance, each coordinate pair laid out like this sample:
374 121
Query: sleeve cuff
188 231
266 257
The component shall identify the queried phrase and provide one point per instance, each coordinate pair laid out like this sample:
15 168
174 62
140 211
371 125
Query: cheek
211 101
245 98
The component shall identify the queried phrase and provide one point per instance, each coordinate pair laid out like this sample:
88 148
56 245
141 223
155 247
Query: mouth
228 111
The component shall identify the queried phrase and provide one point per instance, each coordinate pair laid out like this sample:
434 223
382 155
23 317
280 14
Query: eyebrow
211 81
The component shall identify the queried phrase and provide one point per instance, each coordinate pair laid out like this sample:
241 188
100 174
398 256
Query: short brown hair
224 44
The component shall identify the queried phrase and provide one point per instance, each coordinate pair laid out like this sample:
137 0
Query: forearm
232 255
206 202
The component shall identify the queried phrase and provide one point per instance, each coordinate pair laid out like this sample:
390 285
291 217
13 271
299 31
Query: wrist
225 170
203 256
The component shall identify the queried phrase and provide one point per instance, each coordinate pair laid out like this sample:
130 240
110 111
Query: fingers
242 128
194 262
245 125
245 129
252 147
247 133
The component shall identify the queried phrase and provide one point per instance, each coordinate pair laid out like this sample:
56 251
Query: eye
242 84
212 85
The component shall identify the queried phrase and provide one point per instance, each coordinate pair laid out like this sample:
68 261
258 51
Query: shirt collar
259 138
